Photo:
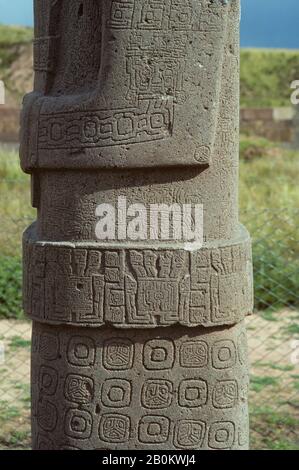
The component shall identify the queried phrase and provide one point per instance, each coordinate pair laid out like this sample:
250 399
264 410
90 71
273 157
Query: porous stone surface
136 345
138 65
168 389
85 284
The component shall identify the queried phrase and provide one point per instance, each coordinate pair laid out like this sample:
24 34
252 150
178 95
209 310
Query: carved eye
81 10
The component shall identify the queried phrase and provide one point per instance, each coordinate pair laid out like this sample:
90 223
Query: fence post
137 344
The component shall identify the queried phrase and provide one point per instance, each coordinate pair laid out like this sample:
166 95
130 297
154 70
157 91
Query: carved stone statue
136 345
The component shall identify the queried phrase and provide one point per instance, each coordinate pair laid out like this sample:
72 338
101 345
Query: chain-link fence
273 330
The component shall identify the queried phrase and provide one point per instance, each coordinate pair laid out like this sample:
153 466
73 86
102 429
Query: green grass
283 368
14 426
10 287
10 38
16 214
17 438
273 430
25 389
10 166
269 179
257 384
292 330
8 412
18 342
269 315
254 147
15 207
266 76
269 207
12 35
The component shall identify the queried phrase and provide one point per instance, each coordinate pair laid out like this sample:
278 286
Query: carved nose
81 10
79 59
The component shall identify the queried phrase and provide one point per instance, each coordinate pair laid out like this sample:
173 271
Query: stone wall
275 124
9 124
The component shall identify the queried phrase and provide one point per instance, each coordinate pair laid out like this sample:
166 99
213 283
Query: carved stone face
131 83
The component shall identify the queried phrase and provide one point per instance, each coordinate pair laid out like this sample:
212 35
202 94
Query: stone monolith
137 344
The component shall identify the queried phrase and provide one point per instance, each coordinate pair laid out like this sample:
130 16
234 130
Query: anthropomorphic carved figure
136 344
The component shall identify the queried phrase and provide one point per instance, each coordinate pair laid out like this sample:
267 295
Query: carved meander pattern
137 288
158 41
179 392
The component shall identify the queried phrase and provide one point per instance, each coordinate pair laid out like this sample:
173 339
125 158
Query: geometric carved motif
225 394
154 429
177 393
48 380
118 354
149 99
114 428
136 288
222 435
116 393
79 389
47 415
193 393
157 393
194 354
189 434
158 354
78 424
224 354
157 31
81 351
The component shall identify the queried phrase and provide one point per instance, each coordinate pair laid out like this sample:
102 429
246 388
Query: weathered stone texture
167 389
140 63
84 284
136 345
